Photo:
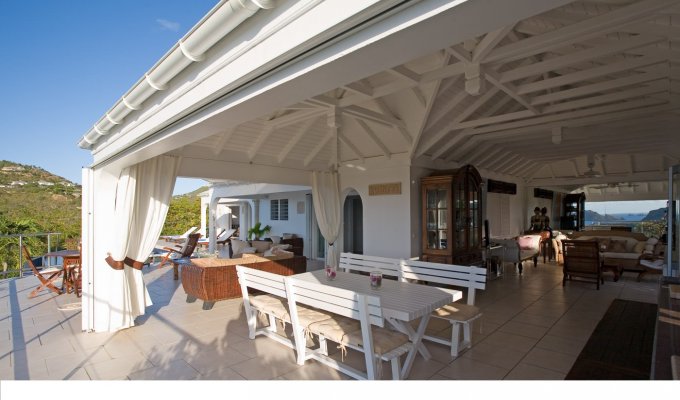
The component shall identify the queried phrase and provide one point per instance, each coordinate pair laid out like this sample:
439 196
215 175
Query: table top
63 253
399 300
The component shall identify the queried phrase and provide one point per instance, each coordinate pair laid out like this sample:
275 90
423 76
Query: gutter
222 19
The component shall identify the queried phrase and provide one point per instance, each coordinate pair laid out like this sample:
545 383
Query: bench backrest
344 302
261 280
470 277
360 262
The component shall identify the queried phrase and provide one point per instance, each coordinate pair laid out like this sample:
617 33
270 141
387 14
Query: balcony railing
12 262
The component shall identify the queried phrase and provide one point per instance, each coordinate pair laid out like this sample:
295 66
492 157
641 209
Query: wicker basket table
215 279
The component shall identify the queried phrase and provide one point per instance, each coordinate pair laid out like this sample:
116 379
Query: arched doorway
353 225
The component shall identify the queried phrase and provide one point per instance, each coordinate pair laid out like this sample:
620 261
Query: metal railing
12 263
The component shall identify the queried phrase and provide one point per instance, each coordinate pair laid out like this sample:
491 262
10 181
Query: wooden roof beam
302 132
591 27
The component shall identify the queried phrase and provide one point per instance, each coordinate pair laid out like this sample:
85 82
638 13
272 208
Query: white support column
99 280
211 222
205 203
87 259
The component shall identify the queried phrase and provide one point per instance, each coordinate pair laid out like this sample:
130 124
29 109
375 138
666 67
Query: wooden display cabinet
452 216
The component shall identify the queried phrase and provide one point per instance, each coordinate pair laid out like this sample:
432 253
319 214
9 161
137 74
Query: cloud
168 25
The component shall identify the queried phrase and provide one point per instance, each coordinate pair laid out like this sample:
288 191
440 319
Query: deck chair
46 276
180 238
180 251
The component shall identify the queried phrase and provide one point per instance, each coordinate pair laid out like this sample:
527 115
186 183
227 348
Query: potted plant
258 231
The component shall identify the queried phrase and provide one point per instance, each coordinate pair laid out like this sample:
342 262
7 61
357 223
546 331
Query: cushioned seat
457 312
346 331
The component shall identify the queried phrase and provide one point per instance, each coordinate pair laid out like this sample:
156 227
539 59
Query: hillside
597 217
656 215
34 200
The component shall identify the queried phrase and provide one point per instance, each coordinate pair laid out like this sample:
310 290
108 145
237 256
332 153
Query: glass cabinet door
473 215
437 213
460 215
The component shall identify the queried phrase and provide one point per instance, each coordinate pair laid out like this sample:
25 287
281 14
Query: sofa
622 251
215 279
237 247
519 249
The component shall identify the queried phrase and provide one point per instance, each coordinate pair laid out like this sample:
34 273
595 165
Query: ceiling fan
591 173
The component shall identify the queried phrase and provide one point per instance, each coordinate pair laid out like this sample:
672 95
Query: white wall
297 223
387 222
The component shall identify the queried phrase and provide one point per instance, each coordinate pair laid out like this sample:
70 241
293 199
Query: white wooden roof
586 93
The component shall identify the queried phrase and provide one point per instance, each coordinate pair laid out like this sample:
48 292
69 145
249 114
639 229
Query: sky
624 207
66 63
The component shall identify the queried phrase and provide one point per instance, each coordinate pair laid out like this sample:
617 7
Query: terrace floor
532 329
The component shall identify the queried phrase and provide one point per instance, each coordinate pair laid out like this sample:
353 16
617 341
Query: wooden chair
46 276
460 315
183 251
582 260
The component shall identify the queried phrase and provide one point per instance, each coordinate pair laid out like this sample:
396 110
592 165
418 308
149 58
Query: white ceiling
591 83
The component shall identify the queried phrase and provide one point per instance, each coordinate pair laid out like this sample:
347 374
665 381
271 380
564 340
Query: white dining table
401 302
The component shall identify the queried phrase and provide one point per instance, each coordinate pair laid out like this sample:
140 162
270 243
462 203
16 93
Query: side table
494 254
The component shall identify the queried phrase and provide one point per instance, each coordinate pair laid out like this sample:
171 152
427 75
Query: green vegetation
33 200
184 212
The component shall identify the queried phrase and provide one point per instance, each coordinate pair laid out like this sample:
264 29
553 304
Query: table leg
416 338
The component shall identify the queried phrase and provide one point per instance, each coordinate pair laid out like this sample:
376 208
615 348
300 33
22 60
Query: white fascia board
260 43
255 189
423 28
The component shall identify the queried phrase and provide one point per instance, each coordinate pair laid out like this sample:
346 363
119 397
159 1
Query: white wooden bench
363 263
459 315
357 323
274 304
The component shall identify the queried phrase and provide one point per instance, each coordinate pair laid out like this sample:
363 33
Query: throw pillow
248 250
237 246
288 235
639 247
649 246
617 246
604 244
261 245
275 239
526 243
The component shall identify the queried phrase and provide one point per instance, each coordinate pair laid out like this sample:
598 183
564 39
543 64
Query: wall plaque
383 189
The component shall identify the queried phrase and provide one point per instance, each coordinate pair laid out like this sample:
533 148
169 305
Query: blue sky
65 63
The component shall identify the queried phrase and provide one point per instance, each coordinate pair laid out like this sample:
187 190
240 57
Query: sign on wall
384 189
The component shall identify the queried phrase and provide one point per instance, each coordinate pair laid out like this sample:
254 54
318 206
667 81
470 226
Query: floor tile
174 370
532 372
465 368
551 360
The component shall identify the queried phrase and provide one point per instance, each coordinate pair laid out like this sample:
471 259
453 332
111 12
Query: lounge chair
180 238
46 276
221 238
181 251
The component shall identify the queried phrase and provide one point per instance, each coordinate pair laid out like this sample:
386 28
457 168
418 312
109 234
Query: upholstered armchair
520 249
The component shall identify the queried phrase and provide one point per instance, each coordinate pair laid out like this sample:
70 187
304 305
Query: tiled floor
532 329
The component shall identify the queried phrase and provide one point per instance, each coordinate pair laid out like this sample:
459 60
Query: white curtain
143 195
326 198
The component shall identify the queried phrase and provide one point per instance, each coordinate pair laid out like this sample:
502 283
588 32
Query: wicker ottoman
214 279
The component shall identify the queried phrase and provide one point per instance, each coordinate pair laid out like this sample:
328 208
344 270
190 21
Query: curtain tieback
119 265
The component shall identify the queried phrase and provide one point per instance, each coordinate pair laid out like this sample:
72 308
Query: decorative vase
331 272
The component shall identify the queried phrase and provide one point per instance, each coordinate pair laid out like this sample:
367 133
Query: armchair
582 259
520 249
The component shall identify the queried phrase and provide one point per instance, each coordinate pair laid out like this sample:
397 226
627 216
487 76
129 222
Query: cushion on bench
457 312
347 331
